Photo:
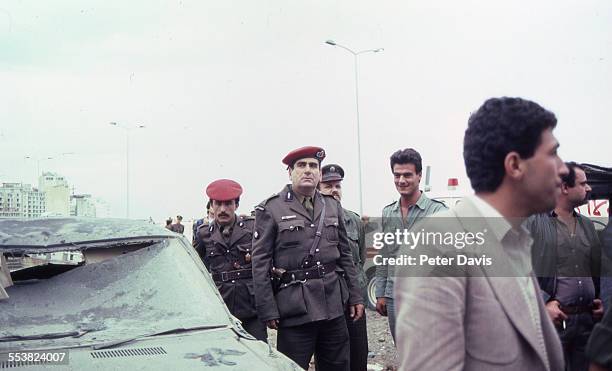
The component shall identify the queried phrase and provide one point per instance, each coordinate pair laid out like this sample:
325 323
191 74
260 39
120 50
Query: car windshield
159 286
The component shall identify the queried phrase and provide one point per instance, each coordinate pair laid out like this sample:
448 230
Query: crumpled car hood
67 231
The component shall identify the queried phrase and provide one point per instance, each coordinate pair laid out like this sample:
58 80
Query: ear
564 189
514 166
289 171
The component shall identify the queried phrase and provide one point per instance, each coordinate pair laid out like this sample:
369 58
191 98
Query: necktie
308 206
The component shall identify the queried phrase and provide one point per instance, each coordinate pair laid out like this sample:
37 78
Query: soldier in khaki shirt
300 242
331 185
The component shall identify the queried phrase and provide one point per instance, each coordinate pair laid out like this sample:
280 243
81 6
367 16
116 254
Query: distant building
82 205
19 200
102 208
57 194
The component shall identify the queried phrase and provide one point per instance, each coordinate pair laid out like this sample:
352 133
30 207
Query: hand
598 309
381 306
272 324
356 311
554 312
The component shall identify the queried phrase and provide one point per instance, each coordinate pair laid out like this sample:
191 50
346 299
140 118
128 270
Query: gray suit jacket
471 322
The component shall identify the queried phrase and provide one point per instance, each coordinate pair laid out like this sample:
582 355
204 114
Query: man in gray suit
487 315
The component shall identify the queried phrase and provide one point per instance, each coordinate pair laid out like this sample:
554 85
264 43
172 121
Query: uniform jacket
196 225
177 228
392 221
283 236
471 321
544 251
356 238
220 255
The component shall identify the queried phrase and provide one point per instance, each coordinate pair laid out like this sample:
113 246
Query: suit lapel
501 276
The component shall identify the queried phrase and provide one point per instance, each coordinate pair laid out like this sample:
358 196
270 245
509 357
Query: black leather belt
318 271
577 309
237 274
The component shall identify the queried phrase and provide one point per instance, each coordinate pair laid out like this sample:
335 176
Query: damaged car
115 294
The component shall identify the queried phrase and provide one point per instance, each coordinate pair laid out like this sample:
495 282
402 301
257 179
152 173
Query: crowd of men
296 265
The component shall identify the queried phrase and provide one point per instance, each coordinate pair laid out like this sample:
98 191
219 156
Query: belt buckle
224 277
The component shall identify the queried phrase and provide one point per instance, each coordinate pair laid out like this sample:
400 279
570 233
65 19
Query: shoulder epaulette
261 206
438 201
391 204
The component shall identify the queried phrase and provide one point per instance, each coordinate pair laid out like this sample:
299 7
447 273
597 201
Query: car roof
47 232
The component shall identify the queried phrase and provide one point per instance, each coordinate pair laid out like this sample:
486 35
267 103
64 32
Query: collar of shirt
421 203
301 197
230 225
501 226
574 213
516 243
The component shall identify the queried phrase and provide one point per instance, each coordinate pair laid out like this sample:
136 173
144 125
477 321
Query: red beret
223 190
304 152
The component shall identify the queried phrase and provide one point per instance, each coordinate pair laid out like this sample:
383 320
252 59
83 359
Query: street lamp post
45 158
127 162
355 54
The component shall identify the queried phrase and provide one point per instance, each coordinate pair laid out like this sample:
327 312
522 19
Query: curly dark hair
570 178
407 156
498 127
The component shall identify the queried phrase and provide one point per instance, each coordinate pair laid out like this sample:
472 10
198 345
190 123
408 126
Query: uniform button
312 226
238 274
227 250
291 228
580 282
317 250
318 263
307 273
233 281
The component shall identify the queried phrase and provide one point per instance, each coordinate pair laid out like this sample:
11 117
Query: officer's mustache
223 214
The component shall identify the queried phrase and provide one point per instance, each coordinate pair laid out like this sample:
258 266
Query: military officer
207 219
331 185
303 269
225 247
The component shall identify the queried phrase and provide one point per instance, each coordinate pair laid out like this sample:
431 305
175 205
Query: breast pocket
331 229
244 253
290 233
215 258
